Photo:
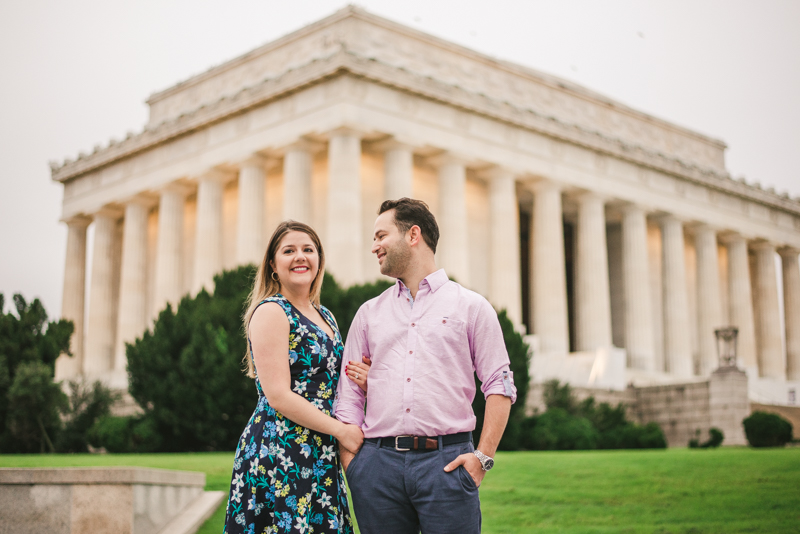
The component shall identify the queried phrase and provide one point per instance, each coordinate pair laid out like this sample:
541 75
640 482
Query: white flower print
286 463
236 496
325 500
317 403
299 386
282 428
327 452
254 467
237 480
302 524
302 330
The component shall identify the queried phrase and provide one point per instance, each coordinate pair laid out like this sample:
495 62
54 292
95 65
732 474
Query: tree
30 403
187 372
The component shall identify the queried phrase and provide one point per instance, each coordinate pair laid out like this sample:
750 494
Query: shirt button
411 352
444 321
408 380
413 324
408 410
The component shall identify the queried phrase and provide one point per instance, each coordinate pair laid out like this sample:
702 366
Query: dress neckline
307 318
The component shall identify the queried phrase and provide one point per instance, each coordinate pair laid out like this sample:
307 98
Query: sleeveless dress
286 478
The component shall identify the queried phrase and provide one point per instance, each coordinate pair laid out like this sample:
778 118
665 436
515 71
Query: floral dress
286 478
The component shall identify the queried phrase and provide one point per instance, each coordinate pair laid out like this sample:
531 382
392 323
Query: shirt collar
435 280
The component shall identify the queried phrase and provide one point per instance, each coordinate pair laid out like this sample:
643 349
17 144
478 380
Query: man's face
390 246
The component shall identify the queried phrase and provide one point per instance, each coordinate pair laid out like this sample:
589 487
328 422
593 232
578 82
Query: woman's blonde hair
264 286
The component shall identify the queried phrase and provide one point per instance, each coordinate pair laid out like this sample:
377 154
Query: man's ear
414 235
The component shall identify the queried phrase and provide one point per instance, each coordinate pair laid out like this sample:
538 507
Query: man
425 336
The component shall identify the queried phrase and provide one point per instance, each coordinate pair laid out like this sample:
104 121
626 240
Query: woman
286 475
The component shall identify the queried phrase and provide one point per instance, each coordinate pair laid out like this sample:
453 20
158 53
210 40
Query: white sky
76 73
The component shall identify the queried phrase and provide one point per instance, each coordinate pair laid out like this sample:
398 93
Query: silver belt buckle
397 446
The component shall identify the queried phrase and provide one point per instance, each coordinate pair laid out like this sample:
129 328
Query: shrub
556 429
715 439
125 434
86 405
35 404
767 430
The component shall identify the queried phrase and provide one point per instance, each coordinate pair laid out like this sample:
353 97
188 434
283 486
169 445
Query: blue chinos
396 492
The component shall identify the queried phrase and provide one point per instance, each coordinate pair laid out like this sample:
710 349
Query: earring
274 276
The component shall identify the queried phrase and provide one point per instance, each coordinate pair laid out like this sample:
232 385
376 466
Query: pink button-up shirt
423 357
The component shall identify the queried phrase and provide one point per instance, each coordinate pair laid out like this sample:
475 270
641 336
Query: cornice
344 62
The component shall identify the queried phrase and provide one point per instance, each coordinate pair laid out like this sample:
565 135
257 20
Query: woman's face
296 261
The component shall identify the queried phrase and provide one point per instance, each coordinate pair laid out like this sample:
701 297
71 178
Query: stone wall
679 409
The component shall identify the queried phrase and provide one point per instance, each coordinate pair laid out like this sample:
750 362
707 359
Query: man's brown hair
409 212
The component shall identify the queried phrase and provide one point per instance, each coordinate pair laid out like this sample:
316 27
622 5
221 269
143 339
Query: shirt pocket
442 341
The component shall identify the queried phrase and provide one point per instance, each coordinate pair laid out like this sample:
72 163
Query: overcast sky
76 73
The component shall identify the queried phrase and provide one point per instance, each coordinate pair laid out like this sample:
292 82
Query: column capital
253 160
146 200
183 188
111 211
586 194
447 158
349 130
497 172
216 175
763 244
77 221
545 185
392 143
729 236
303 143
788 250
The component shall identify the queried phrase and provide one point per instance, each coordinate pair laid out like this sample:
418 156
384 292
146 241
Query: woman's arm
269 334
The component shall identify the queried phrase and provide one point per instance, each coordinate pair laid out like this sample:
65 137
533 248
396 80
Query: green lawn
674 491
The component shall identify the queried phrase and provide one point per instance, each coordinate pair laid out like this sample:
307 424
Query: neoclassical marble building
613 237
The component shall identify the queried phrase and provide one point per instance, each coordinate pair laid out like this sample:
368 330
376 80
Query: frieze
344 62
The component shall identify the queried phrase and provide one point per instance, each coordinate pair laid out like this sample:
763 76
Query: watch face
488 465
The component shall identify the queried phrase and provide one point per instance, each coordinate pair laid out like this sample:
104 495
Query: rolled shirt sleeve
489 355
350 399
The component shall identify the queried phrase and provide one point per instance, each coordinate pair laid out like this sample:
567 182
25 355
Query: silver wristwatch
486 462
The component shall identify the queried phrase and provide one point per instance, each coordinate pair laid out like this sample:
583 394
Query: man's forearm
494 423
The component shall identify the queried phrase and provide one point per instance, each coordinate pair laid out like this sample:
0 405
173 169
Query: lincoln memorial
616 240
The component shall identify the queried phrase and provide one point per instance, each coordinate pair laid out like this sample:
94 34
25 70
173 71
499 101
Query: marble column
592 299
208 233
709 303
639 333
101 329
740 301
548 273
297 167
73 296
771 360
677 343
168 276
250 243
791 310
345 246
132 315
398 170
505 286
453 248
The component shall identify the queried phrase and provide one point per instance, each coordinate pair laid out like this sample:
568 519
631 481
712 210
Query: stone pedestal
639 335
728 403
592 300
72 304
345 229
250 217
548 274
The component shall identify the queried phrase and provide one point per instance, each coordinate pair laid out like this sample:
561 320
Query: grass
727 490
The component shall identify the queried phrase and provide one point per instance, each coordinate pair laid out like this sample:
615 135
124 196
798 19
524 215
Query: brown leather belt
420 443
